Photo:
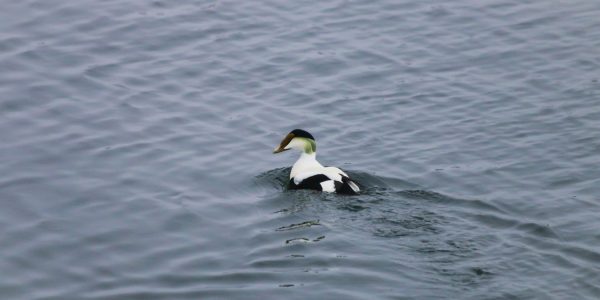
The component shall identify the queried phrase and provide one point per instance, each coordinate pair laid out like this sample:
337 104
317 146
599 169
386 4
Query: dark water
136 138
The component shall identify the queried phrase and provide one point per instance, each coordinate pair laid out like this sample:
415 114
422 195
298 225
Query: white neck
306 162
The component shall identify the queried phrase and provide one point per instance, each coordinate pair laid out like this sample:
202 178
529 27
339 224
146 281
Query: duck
308 173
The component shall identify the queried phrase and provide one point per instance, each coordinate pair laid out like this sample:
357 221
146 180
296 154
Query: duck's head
297 139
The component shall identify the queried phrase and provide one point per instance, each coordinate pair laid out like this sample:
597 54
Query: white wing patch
351 183
336 171
328 186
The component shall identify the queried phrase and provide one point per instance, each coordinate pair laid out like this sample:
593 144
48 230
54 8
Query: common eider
308 173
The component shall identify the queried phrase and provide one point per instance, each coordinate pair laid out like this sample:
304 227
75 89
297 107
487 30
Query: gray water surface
136 139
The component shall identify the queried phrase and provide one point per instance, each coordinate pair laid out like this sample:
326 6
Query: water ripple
136 149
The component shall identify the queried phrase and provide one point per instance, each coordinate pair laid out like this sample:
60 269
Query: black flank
310 183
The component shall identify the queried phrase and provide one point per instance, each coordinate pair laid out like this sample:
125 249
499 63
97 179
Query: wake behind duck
308 173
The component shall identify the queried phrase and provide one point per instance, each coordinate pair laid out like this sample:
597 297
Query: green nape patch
310 146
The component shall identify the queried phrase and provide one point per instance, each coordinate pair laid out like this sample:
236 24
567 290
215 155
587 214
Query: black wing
309 183
344 186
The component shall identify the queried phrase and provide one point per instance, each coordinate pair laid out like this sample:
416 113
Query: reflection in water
299 225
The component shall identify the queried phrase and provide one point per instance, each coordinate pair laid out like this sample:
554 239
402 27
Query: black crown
302 133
